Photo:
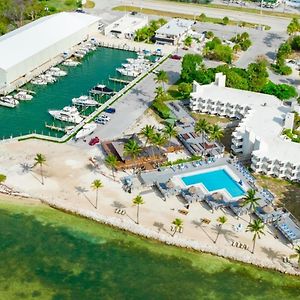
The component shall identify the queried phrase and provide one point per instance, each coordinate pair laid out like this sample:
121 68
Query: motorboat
57 72
8 101
128 72
79 54
67 114
70 63
86 130
102 89
38 81
84 101
23 96
47 77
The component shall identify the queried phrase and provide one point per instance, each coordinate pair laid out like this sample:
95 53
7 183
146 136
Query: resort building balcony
262 118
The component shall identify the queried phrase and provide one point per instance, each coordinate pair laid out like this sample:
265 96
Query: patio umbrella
217 196
192 189
267 209
170 184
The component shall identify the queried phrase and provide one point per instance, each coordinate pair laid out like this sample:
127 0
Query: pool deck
164 174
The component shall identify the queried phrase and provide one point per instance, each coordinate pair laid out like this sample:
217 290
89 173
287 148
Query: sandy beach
68 177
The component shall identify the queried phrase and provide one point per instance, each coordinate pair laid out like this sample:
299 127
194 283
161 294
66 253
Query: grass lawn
181 15
210 118
287 193
61 5
241 9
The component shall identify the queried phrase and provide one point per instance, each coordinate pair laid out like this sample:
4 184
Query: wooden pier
119 80
56 128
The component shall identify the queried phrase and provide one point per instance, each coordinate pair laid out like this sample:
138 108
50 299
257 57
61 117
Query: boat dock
27 91
56 128
119 80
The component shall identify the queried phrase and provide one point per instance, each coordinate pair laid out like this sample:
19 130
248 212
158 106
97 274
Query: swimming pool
215 180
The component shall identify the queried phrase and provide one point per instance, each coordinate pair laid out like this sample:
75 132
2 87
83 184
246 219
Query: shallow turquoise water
47 254
31 116
215 180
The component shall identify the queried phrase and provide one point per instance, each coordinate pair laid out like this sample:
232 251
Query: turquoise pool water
215 180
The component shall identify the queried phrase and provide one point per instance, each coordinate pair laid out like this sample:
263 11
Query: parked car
110 110
176 57
104 117
94 141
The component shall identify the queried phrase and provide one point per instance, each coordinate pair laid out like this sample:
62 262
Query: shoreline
147 233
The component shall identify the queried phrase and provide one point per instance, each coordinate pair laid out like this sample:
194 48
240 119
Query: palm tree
96 185
40 159
178 223
170 131
147 132
162 77
132 148
297 254
201 127
257 228
158 140
222 220
2 178
138 200
159 92
111 161
251 200
215 132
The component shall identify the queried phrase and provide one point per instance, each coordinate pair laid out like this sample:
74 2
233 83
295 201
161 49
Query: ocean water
47 254
31 116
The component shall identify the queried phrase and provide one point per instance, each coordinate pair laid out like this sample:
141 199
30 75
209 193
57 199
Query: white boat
85 101
128 72
56 72
78 54
70 63
23 96
67 114
102 89
47 77
86 130
8 101
38 81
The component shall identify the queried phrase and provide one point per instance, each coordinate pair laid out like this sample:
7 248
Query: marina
30 116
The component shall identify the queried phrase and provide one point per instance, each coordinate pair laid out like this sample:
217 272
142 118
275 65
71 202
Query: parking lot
132 105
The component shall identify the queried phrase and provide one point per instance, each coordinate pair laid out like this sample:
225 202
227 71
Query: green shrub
161 109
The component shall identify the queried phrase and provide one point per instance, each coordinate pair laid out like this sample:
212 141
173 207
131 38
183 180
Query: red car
175 56
94 141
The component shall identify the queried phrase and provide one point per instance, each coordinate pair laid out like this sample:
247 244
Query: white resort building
259 133
125 27
173 32
25 49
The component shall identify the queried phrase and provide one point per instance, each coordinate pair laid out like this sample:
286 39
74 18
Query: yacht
57 72
47 77
8 101
23 96
84 101
86 130
67 114
128 72
70 63
78 54
102 89
38 81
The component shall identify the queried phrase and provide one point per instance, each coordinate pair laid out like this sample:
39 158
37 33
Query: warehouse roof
24 42
175 27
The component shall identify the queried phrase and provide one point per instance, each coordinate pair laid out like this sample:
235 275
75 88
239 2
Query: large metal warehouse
29 47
